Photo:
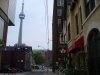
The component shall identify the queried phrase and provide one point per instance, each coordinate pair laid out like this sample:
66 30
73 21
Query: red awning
78 44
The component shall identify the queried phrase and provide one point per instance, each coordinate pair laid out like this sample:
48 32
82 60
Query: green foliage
1 43
39 59
80 69
73 71
63 64
50 63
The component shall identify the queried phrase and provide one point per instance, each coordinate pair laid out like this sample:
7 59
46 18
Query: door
94 52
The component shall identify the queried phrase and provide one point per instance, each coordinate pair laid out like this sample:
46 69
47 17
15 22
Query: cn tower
21 16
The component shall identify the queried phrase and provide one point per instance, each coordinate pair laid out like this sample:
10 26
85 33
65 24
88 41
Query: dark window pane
69 35
77 28
92 4
81 18
89 6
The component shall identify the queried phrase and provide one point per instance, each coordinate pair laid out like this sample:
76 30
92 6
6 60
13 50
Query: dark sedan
6 70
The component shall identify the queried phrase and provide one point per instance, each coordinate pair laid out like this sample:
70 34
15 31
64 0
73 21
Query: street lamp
42 47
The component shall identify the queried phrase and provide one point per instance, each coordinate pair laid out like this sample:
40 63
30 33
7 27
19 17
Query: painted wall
4 5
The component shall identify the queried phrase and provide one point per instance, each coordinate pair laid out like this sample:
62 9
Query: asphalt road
34 72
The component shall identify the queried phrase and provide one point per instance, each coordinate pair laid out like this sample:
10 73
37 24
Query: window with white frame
59 22
89 6
60 2
59 12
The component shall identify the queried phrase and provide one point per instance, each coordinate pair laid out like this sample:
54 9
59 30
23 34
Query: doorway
94 52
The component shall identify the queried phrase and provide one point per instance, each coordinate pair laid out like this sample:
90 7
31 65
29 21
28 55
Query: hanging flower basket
80 53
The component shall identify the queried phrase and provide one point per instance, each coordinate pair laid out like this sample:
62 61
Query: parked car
18 70
14 70
43 67
6 70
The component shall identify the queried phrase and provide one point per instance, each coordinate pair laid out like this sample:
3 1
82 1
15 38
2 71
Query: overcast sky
34 27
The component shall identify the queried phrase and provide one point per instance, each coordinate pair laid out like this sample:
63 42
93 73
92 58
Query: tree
1 43
50 63
39 59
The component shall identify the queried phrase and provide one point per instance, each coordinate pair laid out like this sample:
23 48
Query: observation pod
21 15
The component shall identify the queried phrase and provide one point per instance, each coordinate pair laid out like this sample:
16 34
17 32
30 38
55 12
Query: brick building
17 57
48 55
57 27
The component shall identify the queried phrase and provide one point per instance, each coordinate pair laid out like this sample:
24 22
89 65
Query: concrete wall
4 5
11 10
1 28
72 21
88 23
92 21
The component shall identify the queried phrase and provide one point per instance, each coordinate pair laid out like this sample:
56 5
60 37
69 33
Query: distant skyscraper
21 16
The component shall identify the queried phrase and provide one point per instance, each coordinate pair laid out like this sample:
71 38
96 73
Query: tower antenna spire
23 6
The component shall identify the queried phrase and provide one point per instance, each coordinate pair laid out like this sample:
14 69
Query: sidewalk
50 73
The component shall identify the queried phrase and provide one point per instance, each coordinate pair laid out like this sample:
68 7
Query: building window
65 38
89 5
77 29
81 17
69 34
59 12
60 2
59 22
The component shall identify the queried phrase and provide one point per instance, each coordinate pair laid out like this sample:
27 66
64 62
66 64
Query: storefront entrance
94 52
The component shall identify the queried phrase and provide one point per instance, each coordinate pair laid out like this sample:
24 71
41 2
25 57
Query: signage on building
63 50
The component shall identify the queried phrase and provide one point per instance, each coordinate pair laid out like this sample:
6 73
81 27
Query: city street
34 72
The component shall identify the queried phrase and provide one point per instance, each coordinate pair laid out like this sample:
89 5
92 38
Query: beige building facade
81 31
